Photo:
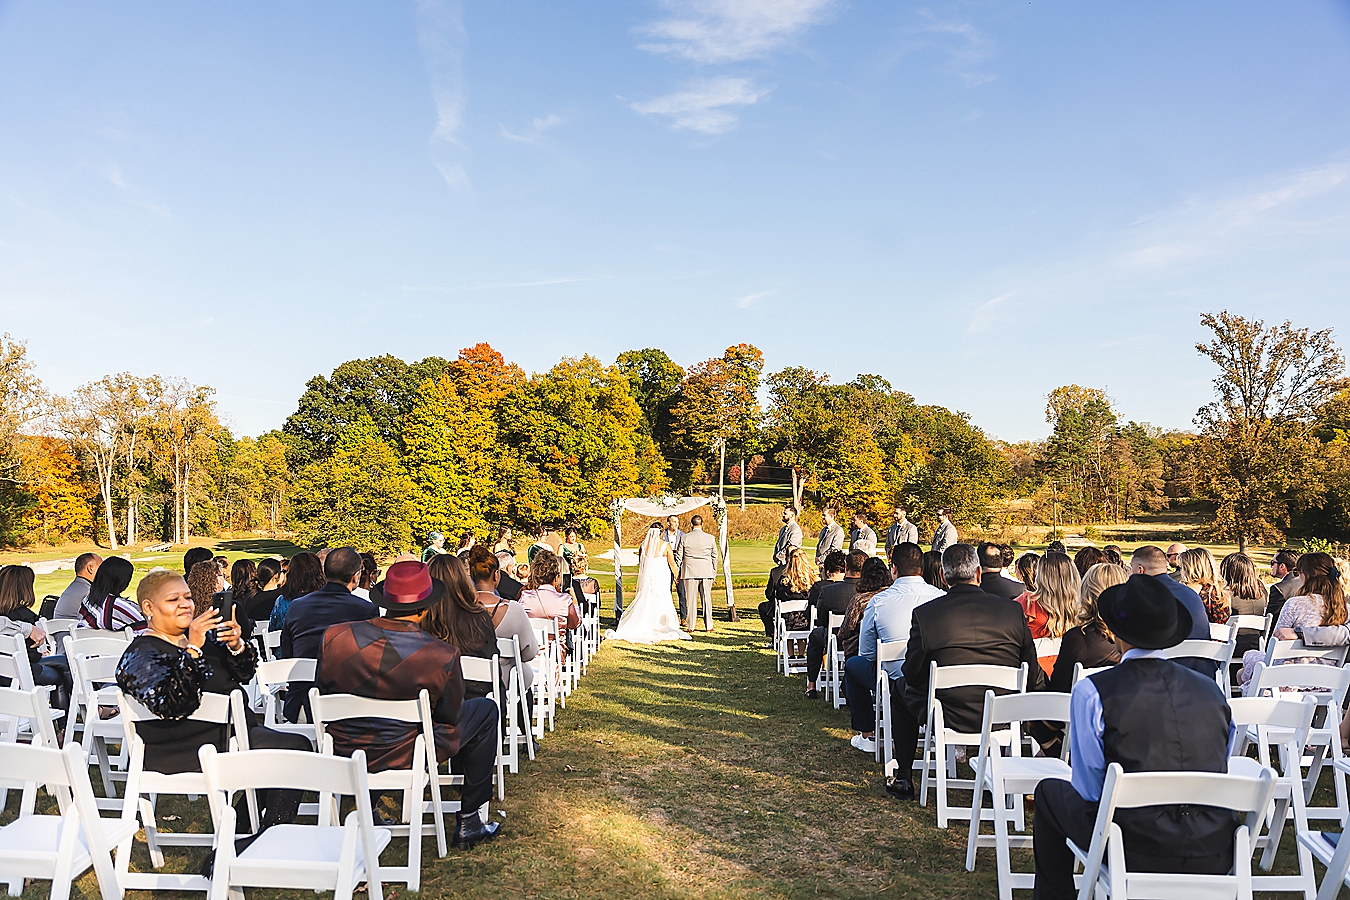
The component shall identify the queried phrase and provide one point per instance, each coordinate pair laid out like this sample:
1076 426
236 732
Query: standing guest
466 542
392 658
1283 567
932 570
509 619
1053 609
946 535
902 530
1246 595
1196 569
1089 642
788 583
1120 716
458 617
310 615
1113 555
1149 560
18 618
573 549
182 655
505 542
68 605
831 538
1026 572
105 607
889 617
965 626
1321 605
1174 552
832 595
862 537
789 536
193 556
435 546
268 579
370 574
304 575
991 572
1086 558
543 597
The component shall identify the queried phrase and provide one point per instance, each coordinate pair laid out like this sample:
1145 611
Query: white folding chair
274 677
87 642
412 782
832 678
887 651
15 665
517 711
56 631
790 640
589 633
271 644
940 743
486 672
1221 652
1047 646
1009 778
23 719
1104 872
1329 686
1331 850
1279 651
1079 672
322 857
547 665
145 787
1267 720
1259 624
96 677
56 848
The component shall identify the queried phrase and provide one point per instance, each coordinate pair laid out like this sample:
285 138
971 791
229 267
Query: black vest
1163 717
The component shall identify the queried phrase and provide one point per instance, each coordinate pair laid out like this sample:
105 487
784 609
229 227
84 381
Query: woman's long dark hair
304 576
267 570
457 617
244 579
16 588
876 576
932 570
112 580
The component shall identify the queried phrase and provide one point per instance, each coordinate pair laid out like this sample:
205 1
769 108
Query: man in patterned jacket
392 658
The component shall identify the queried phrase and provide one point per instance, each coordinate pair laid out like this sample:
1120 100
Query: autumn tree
62 499
182 431
94 418
1258 456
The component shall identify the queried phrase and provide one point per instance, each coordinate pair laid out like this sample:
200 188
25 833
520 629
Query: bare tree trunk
187 473
105 484
742 483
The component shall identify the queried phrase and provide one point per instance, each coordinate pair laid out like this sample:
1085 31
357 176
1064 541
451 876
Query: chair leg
151 832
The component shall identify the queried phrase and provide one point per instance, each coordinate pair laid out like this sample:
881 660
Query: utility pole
722 469
1054 493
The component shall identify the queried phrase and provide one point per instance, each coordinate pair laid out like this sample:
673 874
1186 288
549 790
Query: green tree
1258 455
1082 424
654 381
359 496
718 407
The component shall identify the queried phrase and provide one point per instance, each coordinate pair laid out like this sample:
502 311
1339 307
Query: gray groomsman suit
945 536
698 568
831 539
789 536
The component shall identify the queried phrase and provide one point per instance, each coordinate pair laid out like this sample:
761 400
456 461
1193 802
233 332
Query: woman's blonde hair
1057 586
1197 567
1325 577
1098 578
799 573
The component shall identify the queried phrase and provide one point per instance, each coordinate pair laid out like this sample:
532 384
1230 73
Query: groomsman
789 536
902 532
945 536
862 537
831 537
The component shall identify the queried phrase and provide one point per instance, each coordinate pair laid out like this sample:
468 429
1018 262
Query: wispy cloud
966 48
499 285
751 299
536 130
111 172
441 38
720 31
706 105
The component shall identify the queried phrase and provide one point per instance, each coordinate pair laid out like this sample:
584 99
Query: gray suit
831 539
901 533
945 536
698 569
789 536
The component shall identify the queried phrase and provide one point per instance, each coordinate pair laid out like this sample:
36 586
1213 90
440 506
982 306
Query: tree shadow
260 546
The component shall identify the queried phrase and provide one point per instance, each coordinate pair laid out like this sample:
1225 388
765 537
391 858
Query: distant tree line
380 452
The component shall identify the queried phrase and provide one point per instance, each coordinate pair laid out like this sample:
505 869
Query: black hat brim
1160 639
379 599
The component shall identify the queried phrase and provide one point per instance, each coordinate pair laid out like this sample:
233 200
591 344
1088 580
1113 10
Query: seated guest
309 615
1320 605
543 597
509 587
1086 558
875 578
1284 567
888 617
1246 596
105 607
788 583
1113 556
243 586
1009 569
509 618
181 655
458 617
193 556
208 589
304 575
17 618
991 573
1197 570
370 573
831 596
584 587
1026 573
1056 547
965 626
1089 642
932 569
267 579
1150 560
1053 609
1148 714
68 604
392 658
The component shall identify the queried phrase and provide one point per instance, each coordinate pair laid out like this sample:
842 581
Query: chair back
56 631
96 642
1218 651
271 643
1334 680
1047 706
482 671
62 771
17 705
328 776
1296 649
1047 646
1000 677
792 606
280 671
214 708
836 621
1263 713
1080 672
14 663
1218 632
891 651
330 708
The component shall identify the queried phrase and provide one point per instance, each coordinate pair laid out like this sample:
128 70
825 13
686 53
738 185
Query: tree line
381 451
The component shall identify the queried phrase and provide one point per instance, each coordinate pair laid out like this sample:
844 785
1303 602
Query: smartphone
224 604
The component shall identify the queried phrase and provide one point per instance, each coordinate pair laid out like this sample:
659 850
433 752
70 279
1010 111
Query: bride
651 617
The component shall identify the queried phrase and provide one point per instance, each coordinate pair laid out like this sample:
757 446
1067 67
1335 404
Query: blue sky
978 201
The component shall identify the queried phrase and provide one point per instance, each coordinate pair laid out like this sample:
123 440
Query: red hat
407 587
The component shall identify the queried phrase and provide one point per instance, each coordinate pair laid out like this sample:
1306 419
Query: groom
698 568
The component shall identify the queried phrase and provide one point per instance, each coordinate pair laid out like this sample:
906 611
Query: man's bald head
1148 560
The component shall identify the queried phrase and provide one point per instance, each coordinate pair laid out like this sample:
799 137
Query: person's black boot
900 788
470 830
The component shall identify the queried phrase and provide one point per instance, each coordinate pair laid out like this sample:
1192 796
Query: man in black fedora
1148 714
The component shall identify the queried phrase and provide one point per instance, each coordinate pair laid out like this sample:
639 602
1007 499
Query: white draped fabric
644 507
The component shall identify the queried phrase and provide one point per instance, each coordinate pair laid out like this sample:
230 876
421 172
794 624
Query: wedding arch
660 506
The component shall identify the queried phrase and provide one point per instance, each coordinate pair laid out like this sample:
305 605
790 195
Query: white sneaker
863 743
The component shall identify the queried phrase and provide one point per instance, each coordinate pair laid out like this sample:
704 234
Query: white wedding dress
651 617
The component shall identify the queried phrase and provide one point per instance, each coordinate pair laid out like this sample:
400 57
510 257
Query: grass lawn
690 770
